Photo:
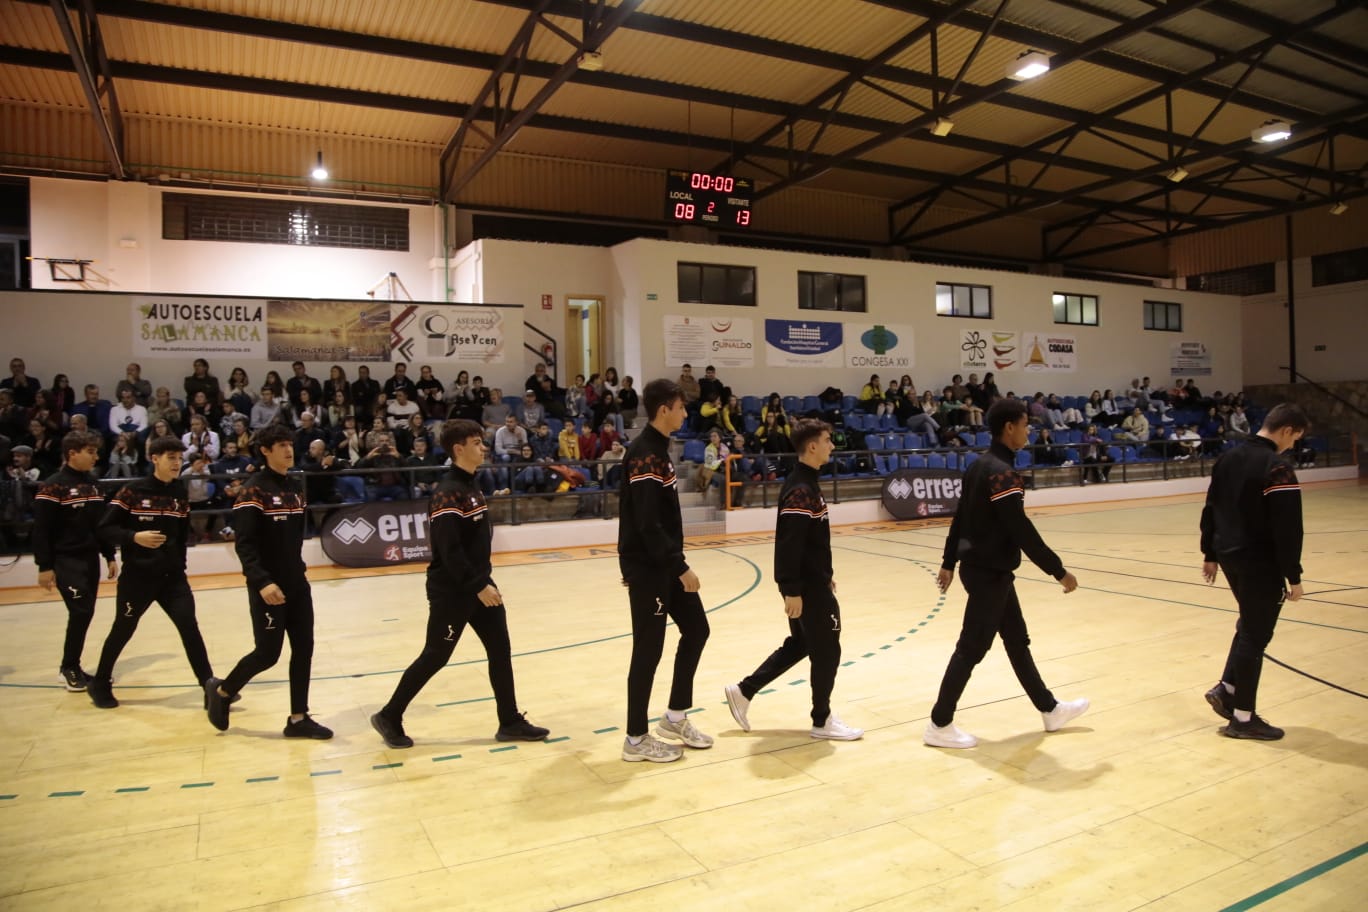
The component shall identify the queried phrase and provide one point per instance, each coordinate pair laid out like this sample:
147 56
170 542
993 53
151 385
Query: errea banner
377 534
804 343
882 346
922 493
186 327
469 334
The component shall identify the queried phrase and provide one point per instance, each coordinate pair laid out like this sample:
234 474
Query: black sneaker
74 679
101 692
233 699
521 730
1255 729
391 731
216 704
307 728
1219 698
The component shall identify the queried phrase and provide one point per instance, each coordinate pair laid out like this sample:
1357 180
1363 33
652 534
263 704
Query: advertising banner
922 493
1051 352
973 349
1004 350
1190 358
329 330
447 332
803 343
883 346
721 342
186 328
377 534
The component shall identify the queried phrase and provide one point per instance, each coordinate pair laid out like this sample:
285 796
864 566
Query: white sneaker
949 736
1064 713
683 730
836 730
739 705
650 749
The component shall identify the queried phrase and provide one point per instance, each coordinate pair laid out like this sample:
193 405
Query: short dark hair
807 430
659 393
1002 413
1287 415
79 440
297 364
458 431
267 437
165 444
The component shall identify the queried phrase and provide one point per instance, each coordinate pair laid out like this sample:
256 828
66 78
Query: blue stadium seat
874 442
914 461
848 403
983 439
1072 455
1023 459
969 459
812 404
894 441
935 460
555 425
886 422
750 422
855 421
1114 453
750 405
884 463
694 451
793 405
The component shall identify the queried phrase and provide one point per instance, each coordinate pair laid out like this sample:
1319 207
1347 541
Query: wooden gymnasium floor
1139 805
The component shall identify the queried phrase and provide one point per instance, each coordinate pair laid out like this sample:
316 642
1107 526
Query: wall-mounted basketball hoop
64 270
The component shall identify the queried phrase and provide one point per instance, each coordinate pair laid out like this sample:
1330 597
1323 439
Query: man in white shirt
509 439
397 412
127 415
199 440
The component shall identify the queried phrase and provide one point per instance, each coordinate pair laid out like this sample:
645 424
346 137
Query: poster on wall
188 328
437 332
1050 352
803 343
882 346
328 330
973 349
719 341
1004 350
1192 358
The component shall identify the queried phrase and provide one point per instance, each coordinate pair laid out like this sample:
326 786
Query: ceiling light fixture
1339 208
319 172
1271 131
942 126
1028 66
1177 174
591 61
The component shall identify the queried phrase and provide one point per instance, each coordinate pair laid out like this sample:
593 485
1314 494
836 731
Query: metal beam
109 124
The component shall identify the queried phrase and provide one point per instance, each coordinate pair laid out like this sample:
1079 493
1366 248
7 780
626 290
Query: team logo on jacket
275 501
147 503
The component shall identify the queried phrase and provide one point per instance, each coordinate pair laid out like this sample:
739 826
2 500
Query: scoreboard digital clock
715 200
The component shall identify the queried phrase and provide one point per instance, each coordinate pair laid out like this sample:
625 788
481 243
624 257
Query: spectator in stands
608 432
528 476
201 380
200 439
912 412
159 429
1187 442
545 447
949 411
459 400
590 446
1212 432
892 396
709 385
575 404
416 429
1093 411
320 482
689 384
567 442
552 399
610 383
63 397
46 410
21 386
241 435
710 473
347 442
989 391
44 447
387 484
21 466
1237 424
1054 411
428 468
495 413
307 403
1138 395
363 393
975 390
336 383
240 393
508 440
125 458
628 401
200 404
133 379
774 405
973 415
200 488
338 409
713 414
95 409
127 415
1135 427
308 432
398 412
399 380
1093 450
298 383
773 438
534 379
230 461
1046 450
871 400
1109 406
1037 412
957 388
591 393
431 396
612 474
532 410
606 410
266 410
277 386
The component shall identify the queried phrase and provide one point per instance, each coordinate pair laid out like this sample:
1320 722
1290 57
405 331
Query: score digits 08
699 198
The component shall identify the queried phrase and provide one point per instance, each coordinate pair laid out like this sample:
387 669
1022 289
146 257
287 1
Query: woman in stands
62 396
606 410
871 397
337 383
774 405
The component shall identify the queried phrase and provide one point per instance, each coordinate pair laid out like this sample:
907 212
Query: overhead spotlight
591 61
1339 208
1177 174
1271 131
1028 66
942 126
319 172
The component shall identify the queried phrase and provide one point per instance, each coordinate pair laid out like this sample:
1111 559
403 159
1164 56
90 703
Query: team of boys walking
1251 531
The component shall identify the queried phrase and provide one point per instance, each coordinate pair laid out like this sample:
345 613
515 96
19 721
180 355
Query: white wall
1332 316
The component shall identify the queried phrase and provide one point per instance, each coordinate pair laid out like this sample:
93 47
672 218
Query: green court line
386 766
509 747
767 690
557 740
316 773
264 779
197 785
1297 880
447 757
8 797
604 731
472 700
867 655
134 788
886 646
900 639
797 682
66 794
851 662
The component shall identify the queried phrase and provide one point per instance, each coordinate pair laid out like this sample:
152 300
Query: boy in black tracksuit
803 571
987 536
460 591
1252 530
150 519
66 510
268 526
659 582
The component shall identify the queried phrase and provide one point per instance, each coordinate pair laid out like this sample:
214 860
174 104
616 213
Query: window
964 301
199 217
1079 309
1164 315
1246 280
829 291
709 283
1338 268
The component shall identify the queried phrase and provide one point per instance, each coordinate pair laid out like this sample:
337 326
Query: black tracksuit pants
816 633
271 624
653 601
1258 588
135 596
448 615
992 610
78 579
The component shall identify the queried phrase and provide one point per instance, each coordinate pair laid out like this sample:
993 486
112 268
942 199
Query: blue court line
1297 880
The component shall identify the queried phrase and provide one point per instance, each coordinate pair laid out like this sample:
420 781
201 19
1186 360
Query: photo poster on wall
1190 358
804 343
988 349
881 346
719 341
329 331
188 328
1049 352
447 332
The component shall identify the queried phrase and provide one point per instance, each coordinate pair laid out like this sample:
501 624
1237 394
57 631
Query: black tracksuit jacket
650 528
990 528
148 505
66 511
460 535
802 540
268 530
1253 510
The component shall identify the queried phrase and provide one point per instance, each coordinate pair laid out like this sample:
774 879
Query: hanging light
319 172
1339 208
1028 66
1271 131
1177 174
